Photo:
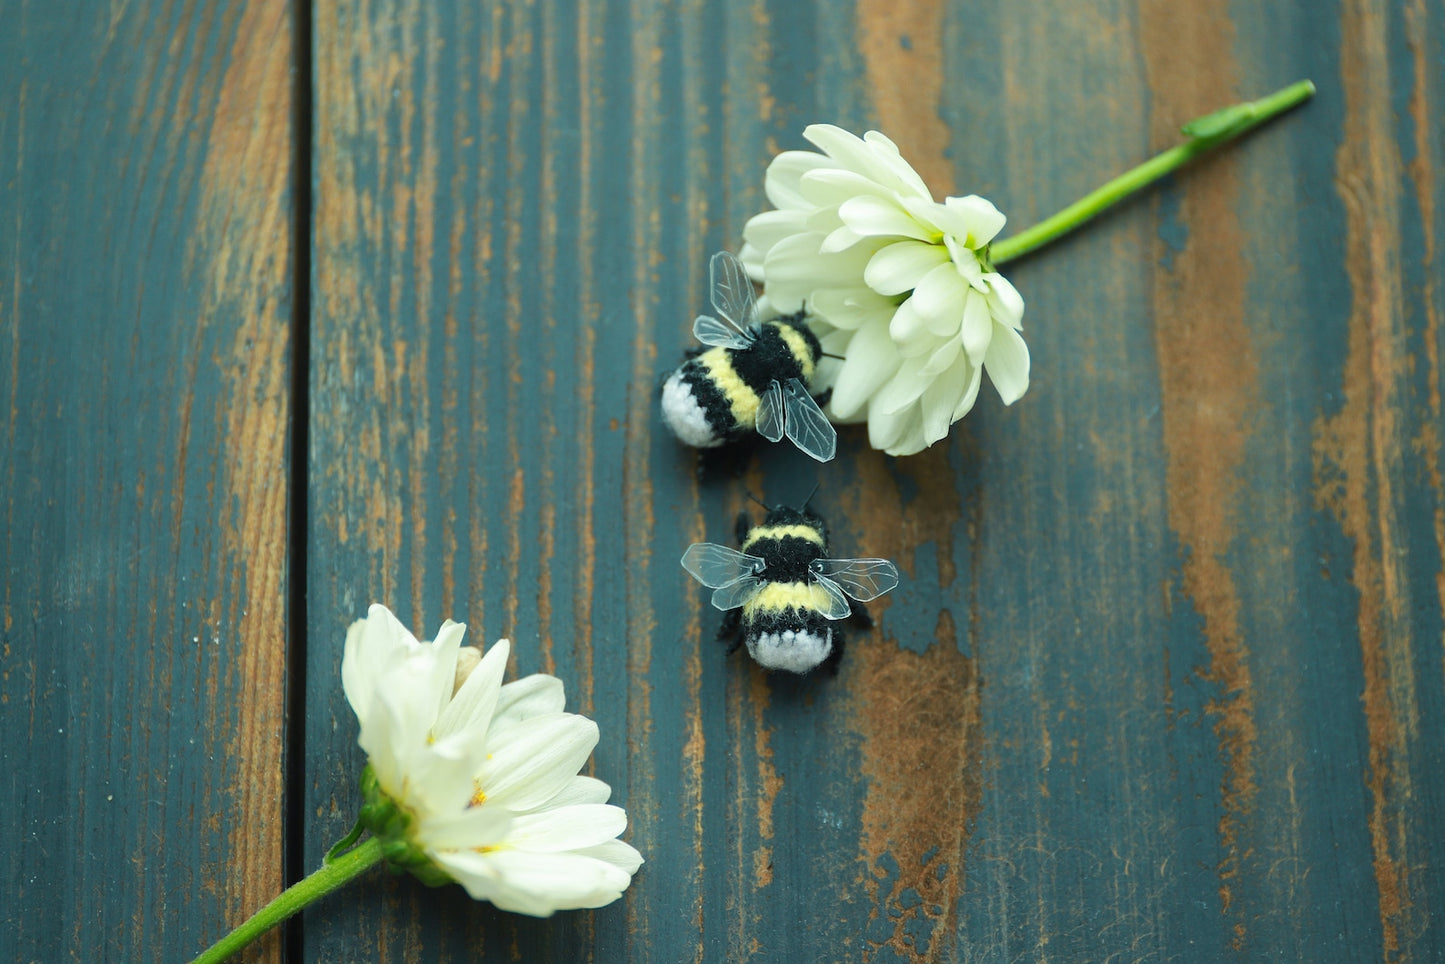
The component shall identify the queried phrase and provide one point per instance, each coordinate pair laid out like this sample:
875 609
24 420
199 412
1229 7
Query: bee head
784 515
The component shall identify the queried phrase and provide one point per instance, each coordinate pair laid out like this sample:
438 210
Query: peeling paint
1359 454
919 717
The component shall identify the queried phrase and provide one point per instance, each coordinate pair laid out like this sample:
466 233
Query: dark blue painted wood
1163 677
145 231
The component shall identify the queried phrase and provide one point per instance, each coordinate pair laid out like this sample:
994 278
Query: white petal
972 219
1005 301
528 697
789 271
966 260
464 829
965 404
900 266
796 267
445 650
1008 364
826 189
621 855
876 217
887 153
840 240
765 310
385 745
938 401
781 182
902 389
906 327
441 776
978 328
437 775
823 221
835 343
473 705
765 230
848 149
412 692
897 433
360 669
382 641
880 140
851 307
579 789
939 298
537 884
876 159
567 828
871 361
942 358
534 762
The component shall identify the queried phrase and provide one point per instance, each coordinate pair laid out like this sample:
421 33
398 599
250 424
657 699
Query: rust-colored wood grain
145 308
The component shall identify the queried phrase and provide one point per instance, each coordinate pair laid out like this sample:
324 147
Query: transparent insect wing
837 606
710 331
807 426
771 408
863 579
736 594
732 290
718 566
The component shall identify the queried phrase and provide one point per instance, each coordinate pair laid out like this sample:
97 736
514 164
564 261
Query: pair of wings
786 407
736 577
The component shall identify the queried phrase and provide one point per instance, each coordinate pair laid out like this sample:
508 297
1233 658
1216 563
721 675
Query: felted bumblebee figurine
781 594
755 376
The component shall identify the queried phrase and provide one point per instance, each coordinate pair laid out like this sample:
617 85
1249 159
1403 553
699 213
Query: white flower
479 780
897 283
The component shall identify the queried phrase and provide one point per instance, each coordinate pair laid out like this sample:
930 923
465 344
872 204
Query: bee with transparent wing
753 376
782 595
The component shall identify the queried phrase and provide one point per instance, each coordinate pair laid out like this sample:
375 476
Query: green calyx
391 824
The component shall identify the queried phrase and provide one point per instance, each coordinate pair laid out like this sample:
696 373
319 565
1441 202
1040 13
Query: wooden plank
1162 677
145 281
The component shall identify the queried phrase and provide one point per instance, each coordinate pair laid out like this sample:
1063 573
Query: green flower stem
332 875
1204 133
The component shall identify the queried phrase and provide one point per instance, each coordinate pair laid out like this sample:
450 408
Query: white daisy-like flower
896 283
473 781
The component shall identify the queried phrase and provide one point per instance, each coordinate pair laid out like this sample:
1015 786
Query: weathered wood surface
145 315
1164 680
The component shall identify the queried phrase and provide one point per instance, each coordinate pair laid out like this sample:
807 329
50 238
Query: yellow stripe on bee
783 532
799 347
741 399
777 596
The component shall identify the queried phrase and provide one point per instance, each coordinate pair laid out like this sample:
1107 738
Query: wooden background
308 305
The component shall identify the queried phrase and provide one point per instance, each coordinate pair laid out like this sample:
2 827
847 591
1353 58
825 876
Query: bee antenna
760 502
828 354
810 496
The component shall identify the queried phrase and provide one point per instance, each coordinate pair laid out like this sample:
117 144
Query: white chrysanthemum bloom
898 284
475 781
